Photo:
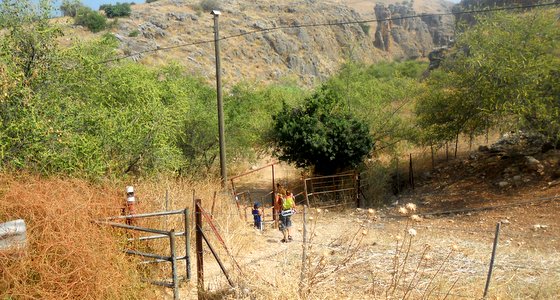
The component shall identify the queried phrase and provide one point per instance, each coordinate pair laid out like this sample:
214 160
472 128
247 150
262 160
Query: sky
94 4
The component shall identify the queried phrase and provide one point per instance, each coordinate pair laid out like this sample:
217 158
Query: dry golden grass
67 256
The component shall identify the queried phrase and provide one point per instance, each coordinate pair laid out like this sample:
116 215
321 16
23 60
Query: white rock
503 184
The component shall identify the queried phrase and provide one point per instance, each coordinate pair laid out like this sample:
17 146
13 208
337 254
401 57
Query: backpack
288 203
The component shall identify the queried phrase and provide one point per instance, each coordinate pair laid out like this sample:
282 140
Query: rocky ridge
251 51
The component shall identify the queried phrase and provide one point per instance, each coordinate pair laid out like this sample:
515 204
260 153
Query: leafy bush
321 134
208 5
365 27
117 10
91 19
134 33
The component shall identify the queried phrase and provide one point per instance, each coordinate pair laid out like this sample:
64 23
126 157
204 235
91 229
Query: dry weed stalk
319 269
400 286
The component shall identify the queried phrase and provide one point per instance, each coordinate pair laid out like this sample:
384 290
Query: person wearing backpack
288 207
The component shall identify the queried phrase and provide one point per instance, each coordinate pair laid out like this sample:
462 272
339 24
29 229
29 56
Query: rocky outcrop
271 40
400 29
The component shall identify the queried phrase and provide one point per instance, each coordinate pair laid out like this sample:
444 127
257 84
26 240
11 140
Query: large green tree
503 71
321 134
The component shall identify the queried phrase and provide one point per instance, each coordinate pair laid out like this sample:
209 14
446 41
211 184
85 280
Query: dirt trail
358 249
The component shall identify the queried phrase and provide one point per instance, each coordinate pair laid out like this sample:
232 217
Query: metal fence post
214 202
199 253
304 256
411 172
358 181
492 260
174 265
398 179
187 243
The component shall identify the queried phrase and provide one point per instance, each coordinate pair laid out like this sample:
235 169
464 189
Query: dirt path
355 255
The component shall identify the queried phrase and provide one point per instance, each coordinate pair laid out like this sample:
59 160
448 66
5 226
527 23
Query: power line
336 23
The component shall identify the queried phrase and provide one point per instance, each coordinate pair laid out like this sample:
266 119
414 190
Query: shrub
321 134
365 28
208 5
93 20
117 10
134 33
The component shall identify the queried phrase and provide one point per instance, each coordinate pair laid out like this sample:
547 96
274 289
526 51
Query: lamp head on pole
215 13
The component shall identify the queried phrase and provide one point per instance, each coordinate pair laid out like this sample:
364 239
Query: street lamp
223 171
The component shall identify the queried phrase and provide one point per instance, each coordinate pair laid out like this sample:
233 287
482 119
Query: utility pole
223 171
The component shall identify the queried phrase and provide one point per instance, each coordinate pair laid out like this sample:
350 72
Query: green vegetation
365 27
64 111
383 96
208 5
91 19
116 10
336 128
321 134
504 72
134 33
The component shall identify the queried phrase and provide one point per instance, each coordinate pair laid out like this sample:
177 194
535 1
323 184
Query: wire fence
522 255
470 262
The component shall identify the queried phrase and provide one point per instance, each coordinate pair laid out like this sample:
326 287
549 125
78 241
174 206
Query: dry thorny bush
69 255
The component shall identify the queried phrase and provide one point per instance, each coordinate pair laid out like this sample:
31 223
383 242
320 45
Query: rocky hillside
249 51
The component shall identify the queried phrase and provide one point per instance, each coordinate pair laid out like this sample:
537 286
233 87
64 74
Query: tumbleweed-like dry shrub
68 255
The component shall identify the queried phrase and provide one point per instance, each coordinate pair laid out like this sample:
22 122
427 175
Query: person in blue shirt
257 216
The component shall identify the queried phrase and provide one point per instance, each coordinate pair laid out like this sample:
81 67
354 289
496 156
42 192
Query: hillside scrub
503 72
77 111
116 10
92 20
383 95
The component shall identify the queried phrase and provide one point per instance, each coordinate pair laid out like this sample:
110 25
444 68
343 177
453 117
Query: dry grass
357 254
67 256
352 254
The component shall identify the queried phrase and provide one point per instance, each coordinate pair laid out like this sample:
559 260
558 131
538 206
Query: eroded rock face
255 49
414 36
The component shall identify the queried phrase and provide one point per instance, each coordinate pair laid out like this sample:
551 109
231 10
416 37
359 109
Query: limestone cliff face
273 40
411 37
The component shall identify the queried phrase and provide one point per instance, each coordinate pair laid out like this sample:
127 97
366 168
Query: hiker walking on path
288 207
